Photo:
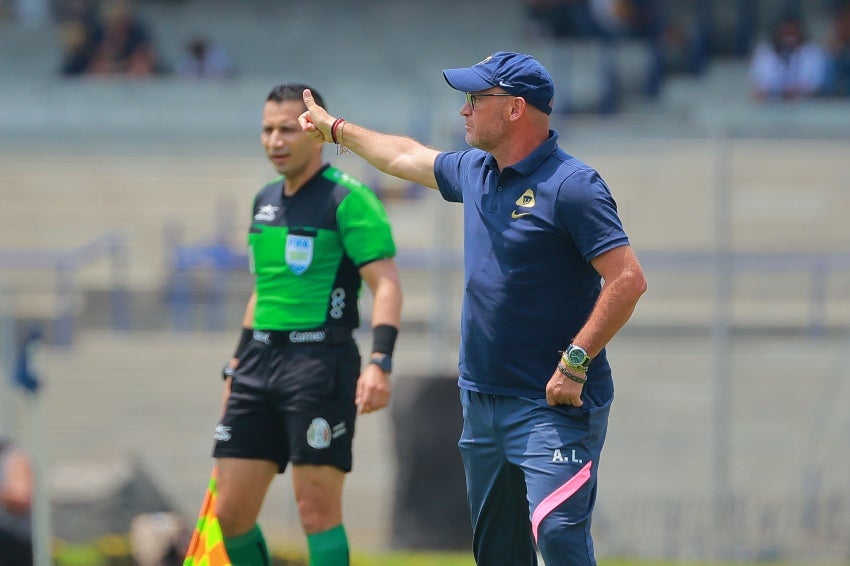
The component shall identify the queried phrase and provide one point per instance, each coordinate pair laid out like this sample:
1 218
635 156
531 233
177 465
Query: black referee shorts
292 400
15 551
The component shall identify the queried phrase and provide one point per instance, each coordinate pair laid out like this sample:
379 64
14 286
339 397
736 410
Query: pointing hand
315 121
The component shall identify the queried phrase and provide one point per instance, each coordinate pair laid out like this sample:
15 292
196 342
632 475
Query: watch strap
384 362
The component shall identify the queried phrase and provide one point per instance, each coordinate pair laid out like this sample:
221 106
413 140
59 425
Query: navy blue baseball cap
515 73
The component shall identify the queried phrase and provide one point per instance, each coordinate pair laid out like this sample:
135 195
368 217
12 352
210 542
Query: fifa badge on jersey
299 253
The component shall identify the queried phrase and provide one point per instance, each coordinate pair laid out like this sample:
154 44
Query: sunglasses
470 98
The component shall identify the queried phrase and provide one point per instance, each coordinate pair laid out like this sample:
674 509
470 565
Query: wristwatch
576 357
383 361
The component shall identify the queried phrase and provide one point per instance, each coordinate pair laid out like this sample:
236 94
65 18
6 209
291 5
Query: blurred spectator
613 17
592 18
683 49
745 28
16 493
645 18
126 47
27 12
80 33
5 10
204 59
729 29
839 53
561 18
788 66
606 23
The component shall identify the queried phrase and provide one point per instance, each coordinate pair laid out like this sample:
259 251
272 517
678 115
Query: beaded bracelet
569 375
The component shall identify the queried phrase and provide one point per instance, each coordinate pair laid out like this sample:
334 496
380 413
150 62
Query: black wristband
383 339
244 339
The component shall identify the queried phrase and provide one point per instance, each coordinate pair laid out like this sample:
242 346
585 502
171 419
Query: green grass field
114 551
465 559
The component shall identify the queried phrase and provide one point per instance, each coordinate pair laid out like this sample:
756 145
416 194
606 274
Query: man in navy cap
550 278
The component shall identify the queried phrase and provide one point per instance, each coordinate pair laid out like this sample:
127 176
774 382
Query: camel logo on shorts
297 337
319 434
299 253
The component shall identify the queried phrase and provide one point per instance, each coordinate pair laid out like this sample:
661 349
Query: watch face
577 356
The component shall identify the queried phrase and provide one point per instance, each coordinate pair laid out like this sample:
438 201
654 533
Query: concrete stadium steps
785 196
79 198
280 38
782 194
582 67
277 40
263 36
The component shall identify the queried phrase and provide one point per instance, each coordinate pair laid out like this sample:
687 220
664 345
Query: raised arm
399 156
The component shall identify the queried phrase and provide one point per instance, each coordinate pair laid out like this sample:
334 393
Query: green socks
328 548
248 549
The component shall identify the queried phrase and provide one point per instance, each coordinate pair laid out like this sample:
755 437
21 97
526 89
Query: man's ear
518 107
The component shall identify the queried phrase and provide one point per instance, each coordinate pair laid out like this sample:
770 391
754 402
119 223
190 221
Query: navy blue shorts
292 402
531 478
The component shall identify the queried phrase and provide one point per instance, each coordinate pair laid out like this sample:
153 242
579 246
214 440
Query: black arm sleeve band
383 339
244 339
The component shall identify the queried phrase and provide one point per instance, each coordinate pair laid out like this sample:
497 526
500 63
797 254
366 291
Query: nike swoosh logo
515 214
504 84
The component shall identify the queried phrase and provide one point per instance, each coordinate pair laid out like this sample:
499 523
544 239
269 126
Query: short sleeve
365 227
587 211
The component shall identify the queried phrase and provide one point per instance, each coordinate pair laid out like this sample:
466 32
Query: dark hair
292 91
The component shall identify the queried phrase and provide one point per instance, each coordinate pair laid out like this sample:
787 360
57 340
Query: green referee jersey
305 250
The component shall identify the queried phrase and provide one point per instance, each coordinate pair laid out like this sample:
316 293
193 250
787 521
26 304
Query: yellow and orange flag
207 545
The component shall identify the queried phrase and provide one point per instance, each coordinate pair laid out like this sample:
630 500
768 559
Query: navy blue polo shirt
530 232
